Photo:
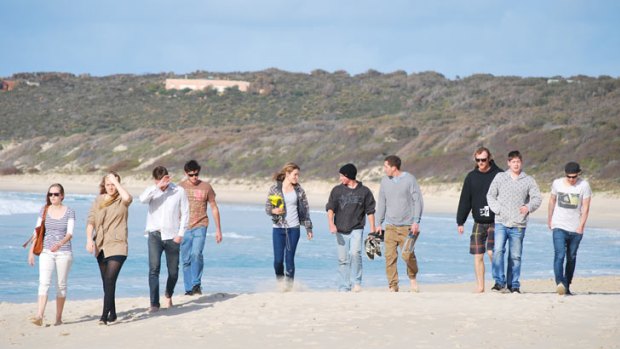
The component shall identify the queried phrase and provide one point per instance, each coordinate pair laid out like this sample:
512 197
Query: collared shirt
168 210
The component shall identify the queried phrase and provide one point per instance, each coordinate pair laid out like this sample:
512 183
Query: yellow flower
276 201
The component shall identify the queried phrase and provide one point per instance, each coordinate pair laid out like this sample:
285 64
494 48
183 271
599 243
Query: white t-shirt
567 211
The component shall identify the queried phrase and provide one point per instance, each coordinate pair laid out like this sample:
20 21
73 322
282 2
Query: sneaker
189 293
515 290
561 289
196 290
496 287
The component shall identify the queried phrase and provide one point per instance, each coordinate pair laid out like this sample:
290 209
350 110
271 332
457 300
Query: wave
16 206
233 235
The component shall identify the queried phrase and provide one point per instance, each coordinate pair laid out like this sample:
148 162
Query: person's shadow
184 306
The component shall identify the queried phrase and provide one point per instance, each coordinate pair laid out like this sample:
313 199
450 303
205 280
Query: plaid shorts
482 238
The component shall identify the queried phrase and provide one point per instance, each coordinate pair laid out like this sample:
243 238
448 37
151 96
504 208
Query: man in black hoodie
474 199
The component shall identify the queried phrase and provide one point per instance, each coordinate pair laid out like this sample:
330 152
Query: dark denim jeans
191 255
284 245
171 249
565 244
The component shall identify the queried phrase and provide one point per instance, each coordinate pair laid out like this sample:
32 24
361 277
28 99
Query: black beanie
349 171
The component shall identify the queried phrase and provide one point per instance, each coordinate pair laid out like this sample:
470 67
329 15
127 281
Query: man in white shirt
166 222
569 206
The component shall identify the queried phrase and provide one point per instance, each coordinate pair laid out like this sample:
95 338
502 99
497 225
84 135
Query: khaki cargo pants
394 238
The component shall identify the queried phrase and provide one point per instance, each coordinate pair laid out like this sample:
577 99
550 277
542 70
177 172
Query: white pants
48 261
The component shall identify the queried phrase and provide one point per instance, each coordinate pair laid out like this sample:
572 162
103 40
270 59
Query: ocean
243 262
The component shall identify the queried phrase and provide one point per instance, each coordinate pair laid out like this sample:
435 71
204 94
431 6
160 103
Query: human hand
177 239
415 228
112 179
460 229
90 246
524 210
163 182
277 210
310 235
56 247
218 236
31 258
332 228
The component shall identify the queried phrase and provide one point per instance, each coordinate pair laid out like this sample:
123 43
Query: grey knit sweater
400 200
506 195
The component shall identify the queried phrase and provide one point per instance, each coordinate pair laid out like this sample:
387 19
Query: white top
569 198
168 210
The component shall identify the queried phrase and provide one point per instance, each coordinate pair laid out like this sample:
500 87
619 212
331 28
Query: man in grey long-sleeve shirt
400 205
512 196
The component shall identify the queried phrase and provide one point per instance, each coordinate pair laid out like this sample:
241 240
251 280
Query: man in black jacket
349 204
474 199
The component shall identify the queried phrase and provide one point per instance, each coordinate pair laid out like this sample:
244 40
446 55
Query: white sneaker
561 289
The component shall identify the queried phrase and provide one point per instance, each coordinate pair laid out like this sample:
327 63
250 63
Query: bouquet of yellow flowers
276 201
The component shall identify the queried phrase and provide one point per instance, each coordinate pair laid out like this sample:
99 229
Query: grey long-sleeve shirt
506 195
400 200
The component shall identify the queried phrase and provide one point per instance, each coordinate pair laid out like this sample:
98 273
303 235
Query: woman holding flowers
288 207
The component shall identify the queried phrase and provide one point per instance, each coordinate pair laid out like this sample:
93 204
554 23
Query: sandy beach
440 316
440 199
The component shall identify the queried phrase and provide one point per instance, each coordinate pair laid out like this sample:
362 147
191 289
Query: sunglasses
53 194
572 177
481 160
193 174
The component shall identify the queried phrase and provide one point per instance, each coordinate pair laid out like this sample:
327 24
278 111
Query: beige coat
110 225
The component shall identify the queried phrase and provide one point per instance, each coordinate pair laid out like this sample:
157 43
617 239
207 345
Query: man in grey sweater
512 196
400 205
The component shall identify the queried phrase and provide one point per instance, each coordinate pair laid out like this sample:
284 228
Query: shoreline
438 198
441 315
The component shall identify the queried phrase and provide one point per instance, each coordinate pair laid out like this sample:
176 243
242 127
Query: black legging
110 267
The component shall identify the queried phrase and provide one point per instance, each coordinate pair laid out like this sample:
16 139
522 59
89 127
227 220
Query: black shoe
515 290
197 290
496 287
189 293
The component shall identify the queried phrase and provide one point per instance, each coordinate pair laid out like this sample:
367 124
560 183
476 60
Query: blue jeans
514 236
565 244
284 245
349 259
171 249
191 256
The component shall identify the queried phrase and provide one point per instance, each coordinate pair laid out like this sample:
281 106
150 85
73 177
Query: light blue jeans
191 255
514 236
349 259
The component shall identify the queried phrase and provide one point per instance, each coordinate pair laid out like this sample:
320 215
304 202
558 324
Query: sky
540 38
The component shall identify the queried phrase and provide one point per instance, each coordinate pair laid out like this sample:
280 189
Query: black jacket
350 206
474 196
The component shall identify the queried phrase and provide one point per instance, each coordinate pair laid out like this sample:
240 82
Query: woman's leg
279 244
46 269
113 269
63 265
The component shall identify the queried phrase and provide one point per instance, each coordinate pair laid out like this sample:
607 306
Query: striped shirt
57 229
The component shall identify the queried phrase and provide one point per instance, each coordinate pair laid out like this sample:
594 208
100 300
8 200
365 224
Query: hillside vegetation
129 123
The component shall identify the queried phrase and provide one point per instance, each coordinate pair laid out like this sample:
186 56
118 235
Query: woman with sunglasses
56 254
106 238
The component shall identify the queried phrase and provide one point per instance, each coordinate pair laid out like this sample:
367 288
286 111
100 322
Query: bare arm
551 208
585 211
216 217
330 221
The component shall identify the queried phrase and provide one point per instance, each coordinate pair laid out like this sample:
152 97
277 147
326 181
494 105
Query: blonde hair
102 190
287 168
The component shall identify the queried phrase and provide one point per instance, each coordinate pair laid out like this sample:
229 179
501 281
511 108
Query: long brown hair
62 192
287 168
102 190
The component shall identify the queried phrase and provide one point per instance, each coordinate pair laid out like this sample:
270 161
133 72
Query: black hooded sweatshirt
474 196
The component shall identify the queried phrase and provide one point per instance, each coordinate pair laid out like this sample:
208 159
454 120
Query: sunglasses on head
193 174
53 194
481 160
